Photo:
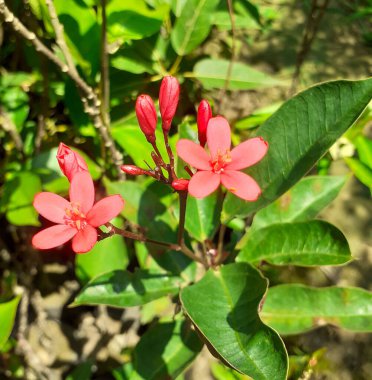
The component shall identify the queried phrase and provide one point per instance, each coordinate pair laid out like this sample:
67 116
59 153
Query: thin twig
89 98
7 124
105 79
312 26
181 225
233 55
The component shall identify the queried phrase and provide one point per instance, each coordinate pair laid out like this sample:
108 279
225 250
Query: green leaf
361 171
305 243
82 32
8 312
364 147
300 133
106 256
193 25
82 371
213 73
296 308
124 289
301 203
223 306
222 19
18 195
133 20
165 351
202 216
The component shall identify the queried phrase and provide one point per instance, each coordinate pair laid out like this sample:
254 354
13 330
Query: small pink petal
203 183
51 206
241 185
105 210
193 154
82 191
84 240
53 236
247 153
218 135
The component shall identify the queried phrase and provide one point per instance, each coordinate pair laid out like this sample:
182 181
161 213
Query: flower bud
70 162
146 115
180 184
168 100
204 114
132 170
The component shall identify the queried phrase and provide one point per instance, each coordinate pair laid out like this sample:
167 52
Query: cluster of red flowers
219 164
214 160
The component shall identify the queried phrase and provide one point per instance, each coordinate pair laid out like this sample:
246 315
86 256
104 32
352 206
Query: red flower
70 162
78 219
221 164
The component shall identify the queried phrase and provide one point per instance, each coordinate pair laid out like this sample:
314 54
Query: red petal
105 210
241 185
84 240
193 154
218 135
51 206
247 153
53 236
82 191
203 183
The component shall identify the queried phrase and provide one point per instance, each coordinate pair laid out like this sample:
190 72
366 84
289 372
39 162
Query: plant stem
105 79
181 226
221 236
172 173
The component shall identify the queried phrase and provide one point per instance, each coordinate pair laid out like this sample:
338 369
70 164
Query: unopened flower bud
146 115
203 117
70 162
132 170
168 100
180 184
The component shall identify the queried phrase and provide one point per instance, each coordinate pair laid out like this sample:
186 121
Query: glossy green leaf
165 351
106 256
222 20
18 195
212 73
360 170
302 202
125 289
133 20
8 312
193 25
299 133
223 306
304 243
296 308
202 216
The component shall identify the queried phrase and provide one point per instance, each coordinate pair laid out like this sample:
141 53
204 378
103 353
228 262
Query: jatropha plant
233 226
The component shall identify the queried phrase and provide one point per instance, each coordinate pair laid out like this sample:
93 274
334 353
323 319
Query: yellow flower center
74 217
220 160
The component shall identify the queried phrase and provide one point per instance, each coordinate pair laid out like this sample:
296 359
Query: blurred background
246 58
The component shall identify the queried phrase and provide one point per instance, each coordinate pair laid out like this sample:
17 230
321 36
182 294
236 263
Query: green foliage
212 73
295 308
18 195
124 289
299 133
226 300
306 244
8 312
165 351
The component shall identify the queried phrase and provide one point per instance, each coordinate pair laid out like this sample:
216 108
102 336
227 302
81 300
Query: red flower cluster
78 218
219 164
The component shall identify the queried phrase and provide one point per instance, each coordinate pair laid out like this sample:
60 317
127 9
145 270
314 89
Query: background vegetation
246 58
